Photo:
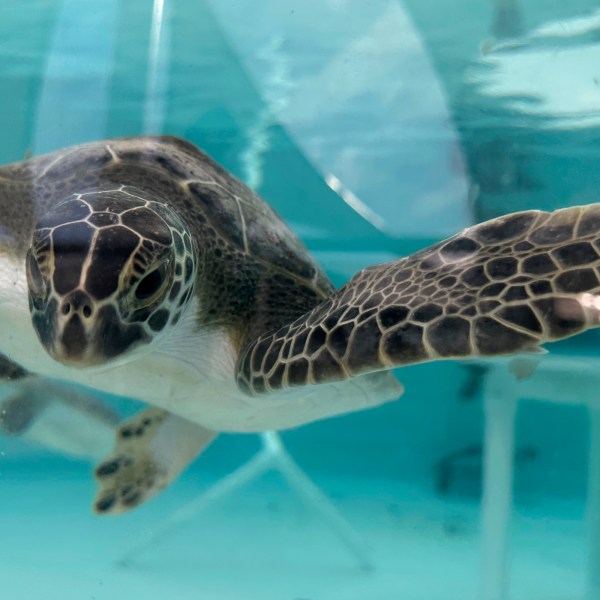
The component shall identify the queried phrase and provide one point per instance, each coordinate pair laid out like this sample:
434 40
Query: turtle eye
151 283
34 276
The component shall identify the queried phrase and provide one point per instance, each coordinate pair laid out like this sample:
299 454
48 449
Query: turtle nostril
79 303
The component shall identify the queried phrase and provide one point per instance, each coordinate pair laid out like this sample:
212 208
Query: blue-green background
100 70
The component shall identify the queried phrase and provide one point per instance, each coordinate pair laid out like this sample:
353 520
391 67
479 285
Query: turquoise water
374 129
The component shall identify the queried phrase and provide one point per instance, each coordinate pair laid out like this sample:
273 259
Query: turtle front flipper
56 415
501 287
151 449
10 370
17 409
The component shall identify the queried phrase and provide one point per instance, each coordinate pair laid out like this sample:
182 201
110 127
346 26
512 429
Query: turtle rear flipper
151 449
498 288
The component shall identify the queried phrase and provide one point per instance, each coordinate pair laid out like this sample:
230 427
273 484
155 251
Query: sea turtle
141 267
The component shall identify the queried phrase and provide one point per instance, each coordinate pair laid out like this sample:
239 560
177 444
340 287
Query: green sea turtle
141 267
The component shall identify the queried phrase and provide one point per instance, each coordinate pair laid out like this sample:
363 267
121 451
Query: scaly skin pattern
500 287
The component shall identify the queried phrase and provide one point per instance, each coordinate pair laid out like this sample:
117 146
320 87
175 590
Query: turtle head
108 273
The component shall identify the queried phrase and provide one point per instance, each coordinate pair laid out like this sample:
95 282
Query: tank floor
261 543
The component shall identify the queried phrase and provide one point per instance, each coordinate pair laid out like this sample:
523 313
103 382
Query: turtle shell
166 169
252 276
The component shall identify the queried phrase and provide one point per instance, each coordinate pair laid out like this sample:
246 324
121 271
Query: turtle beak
64 332
78 331
74 322
72 345
66 329
88 336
